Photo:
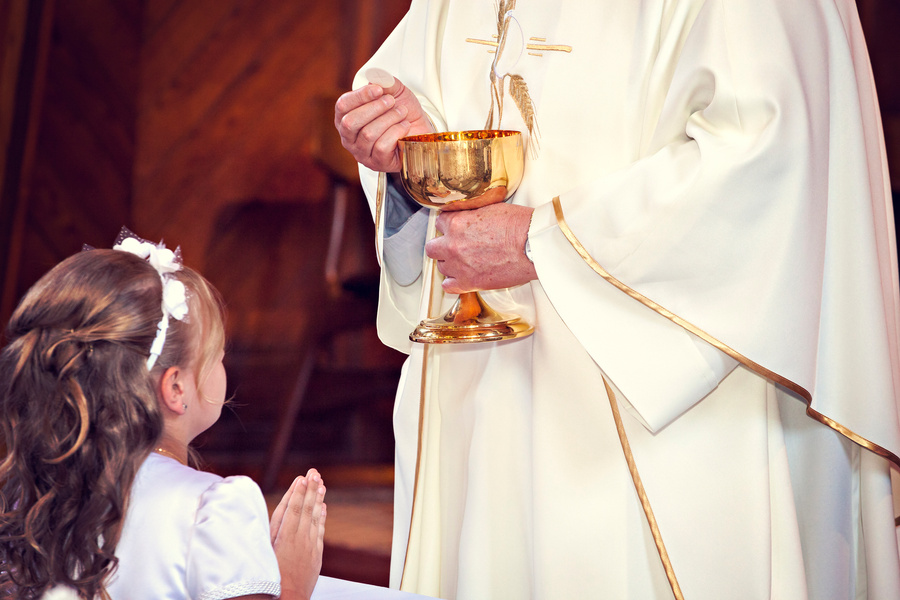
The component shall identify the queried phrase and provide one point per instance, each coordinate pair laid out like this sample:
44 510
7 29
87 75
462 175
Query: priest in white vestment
707 408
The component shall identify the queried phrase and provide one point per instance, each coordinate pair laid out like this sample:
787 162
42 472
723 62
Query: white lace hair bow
60 592
174 296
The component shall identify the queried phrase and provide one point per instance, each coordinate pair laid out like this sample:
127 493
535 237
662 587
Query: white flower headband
174 297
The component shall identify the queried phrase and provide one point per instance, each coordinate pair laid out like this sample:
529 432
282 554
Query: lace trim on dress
245 588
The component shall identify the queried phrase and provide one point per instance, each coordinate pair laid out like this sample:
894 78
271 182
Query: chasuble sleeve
754 219
412 53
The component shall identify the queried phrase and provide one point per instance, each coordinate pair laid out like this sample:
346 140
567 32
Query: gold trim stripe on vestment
412 511
755 367
642 494
422 394
380 193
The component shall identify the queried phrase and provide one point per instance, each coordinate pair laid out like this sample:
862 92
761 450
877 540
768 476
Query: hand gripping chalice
462 170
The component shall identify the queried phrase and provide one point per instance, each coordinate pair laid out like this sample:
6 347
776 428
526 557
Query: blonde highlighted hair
79 411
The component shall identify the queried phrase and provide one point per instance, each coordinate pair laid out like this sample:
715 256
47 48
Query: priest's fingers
370 123
372 118
380 139
456 280
354 110
483 248
419 121
449 262
451 222
451 286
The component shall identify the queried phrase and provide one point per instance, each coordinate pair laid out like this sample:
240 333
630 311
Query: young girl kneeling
113 366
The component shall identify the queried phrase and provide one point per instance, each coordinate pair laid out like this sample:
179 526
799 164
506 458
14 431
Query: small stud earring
184 406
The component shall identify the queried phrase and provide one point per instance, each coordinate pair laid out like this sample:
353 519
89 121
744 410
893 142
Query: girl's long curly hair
79 412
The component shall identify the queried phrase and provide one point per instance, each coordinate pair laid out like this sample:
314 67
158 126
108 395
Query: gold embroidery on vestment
518 89
753 366
379 201
549 47
545 47
642 493
423 389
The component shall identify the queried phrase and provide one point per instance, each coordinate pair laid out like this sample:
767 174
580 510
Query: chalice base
470 320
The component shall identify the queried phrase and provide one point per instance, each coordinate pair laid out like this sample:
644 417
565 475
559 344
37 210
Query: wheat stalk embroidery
518 89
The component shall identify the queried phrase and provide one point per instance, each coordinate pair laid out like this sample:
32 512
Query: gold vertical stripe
642 494
422 393
379 202
423 389
753 366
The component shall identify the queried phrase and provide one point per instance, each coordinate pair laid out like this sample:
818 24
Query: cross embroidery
537 45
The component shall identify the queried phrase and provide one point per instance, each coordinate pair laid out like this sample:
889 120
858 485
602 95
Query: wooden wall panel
228 104
25 27
80 187
228 116
13 34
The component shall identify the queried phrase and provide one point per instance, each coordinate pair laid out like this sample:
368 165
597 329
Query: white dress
191 534
712 241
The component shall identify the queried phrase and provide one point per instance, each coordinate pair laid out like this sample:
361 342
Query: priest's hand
371 119
483 248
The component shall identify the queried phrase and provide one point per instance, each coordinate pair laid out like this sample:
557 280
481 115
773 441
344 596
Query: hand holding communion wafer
372 118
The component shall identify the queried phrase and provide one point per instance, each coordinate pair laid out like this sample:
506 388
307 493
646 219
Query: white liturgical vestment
716 263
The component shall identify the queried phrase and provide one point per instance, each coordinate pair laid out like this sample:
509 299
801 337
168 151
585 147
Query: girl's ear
172 390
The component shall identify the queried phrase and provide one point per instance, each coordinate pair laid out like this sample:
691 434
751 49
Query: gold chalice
461 170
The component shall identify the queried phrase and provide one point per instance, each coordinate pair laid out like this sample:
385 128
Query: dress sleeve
230 553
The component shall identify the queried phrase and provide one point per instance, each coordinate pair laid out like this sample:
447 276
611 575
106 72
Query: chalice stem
470 319
470 308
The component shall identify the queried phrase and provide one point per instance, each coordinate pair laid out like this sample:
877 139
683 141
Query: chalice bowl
462 170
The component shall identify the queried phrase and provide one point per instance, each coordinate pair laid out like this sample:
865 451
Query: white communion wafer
379 77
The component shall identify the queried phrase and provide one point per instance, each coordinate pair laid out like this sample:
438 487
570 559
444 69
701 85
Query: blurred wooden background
207 123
